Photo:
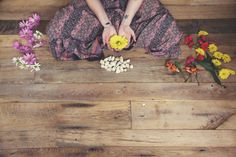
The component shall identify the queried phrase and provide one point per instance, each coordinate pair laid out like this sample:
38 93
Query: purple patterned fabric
75 32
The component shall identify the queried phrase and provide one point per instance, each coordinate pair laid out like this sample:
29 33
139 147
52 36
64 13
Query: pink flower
16 45
24 24
26 33
22 48
34 20
29 58
189 60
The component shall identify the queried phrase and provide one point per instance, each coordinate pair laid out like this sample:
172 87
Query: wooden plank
123 152
184 114
189 138
116 91
186 10
152 71
27 139
64 115
147 138
15 75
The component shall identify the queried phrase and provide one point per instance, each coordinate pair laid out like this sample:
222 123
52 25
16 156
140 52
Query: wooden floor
71 109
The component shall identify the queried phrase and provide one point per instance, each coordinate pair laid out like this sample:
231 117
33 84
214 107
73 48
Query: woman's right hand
107 33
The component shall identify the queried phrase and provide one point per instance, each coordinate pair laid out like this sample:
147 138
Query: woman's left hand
127 31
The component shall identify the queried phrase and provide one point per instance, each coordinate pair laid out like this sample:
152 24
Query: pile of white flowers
116 64
19 61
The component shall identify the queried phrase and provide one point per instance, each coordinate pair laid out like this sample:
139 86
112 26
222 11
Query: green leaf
213 71
216 78
208 66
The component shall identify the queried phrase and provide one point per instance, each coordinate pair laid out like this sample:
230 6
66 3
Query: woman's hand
127 31
107 33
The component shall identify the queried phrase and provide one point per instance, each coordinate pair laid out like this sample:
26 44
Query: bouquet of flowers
33 40
206 55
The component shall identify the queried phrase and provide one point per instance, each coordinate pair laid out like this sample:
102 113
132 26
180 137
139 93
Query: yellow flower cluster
202 33
200 51
226 58
216 62
212 48
225 73
218 55
118 42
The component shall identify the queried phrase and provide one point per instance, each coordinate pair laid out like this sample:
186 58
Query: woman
82 28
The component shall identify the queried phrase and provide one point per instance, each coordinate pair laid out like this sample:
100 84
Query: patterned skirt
75 32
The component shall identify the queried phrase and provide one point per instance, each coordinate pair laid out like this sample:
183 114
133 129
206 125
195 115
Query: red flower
203 38
200 57
204 46
189 41
200 42
189 60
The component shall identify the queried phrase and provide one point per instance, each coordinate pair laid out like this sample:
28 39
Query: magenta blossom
34 20
189 60
22 48
16 45
25 24
26 33
29 58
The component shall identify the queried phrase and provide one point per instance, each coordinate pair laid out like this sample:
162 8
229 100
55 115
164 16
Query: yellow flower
216 62
218 55
232 72
225 73
204 33
118 42
226 58
212 48
200 51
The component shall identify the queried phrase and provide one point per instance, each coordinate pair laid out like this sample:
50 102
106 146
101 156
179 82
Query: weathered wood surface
117 115
74 115
178 114
190 9
123 152
121 137
78 109
116 91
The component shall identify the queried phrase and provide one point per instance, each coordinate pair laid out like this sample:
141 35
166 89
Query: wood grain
102 151
169 138
76 138
184 115
67 115
116 91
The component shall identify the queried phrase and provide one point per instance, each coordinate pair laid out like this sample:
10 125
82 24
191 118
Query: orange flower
172 67
191 70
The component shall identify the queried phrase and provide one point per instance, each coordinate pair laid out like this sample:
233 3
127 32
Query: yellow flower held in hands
218 55
212 48
118 42
216 62
226 58
225 73
200 51
204 33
